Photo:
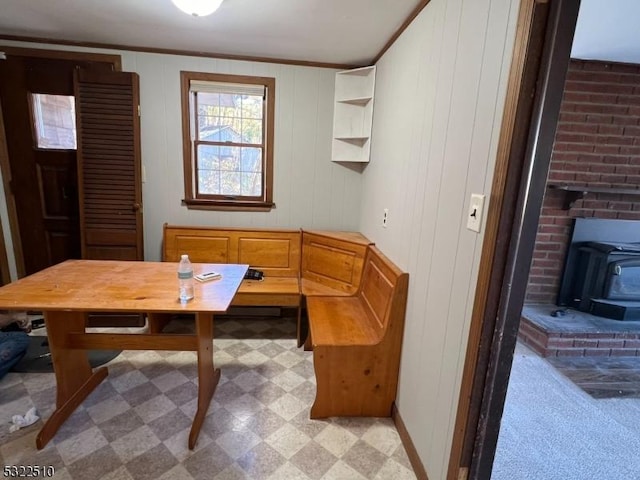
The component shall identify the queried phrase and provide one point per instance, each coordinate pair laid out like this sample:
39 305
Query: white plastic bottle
185 279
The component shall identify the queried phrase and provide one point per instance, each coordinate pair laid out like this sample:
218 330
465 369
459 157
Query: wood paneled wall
440 92
310 191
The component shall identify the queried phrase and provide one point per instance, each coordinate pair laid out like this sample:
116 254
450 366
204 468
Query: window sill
238 206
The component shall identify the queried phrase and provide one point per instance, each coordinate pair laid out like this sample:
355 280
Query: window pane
226 170
208 157
209 182
229 118
252 131
208 169
230 183
230 159
54 118
251 184
251 159
252 107
227 156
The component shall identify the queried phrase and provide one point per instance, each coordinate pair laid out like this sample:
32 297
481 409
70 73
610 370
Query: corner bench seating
357 341
355 300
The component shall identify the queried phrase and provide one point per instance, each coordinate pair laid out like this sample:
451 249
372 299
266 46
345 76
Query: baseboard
412 453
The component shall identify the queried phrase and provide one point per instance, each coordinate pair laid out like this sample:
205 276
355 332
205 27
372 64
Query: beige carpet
552 430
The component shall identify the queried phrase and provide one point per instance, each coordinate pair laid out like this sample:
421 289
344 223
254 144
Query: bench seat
311 288
357 342
341 322
269 292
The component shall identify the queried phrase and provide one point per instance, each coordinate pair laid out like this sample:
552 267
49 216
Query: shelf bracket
572 193
571 197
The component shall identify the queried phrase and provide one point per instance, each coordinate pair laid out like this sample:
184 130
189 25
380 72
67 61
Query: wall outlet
385 217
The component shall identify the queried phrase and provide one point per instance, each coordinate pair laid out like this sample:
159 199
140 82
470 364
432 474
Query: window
54 119
227 127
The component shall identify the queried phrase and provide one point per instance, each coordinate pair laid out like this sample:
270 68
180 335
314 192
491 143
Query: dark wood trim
188 53
407 443
540 60
270 126
524 219
238 206
115 60
6 182
416 11
263 204
186 135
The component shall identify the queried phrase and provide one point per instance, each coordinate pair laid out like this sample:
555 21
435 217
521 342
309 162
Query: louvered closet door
109 168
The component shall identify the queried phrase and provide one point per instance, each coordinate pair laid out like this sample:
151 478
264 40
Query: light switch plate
476 209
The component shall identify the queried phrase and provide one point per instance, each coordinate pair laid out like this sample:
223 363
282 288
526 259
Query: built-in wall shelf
574 193
353 114
352 139
355 101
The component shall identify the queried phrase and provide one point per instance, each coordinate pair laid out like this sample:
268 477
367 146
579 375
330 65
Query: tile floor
135 424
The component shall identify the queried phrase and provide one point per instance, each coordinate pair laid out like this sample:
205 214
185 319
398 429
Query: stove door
623 280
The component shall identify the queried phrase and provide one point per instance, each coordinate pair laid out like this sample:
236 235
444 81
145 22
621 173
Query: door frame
5 271
5 169
544 37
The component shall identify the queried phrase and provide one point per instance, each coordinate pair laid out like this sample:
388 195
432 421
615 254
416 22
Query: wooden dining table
65 293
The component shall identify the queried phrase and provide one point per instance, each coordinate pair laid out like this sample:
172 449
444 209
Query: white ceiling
608 30
350 32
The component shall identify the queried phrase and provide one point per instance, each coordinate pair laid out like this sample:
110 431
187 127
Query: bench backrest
334 259
383 291
275 252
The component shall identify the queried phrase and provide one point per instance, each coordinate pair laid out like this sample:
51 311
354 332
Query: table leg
74 378
208 376
157 321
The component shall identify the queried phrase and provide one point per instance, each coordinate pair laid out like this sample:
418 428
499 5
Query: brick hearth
577 334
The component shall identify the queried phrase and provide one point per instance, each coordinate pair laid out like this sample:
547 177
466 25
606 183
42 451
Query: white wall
439 98
309 190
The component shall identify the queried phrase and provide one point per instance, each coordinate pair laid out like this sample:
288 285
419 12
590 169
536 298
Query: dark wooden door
43 180
109 165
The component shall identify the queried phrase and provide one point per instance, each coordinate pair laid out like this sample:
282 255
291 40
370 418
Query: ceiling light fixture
197 8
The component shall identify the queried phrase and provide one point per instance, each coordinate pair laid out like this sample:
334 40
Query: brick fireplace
597 151
597 144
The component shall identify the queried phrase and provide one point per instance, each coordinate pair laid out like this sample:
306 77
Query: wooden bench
357 341
355 296
274 252
332 262
332 265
